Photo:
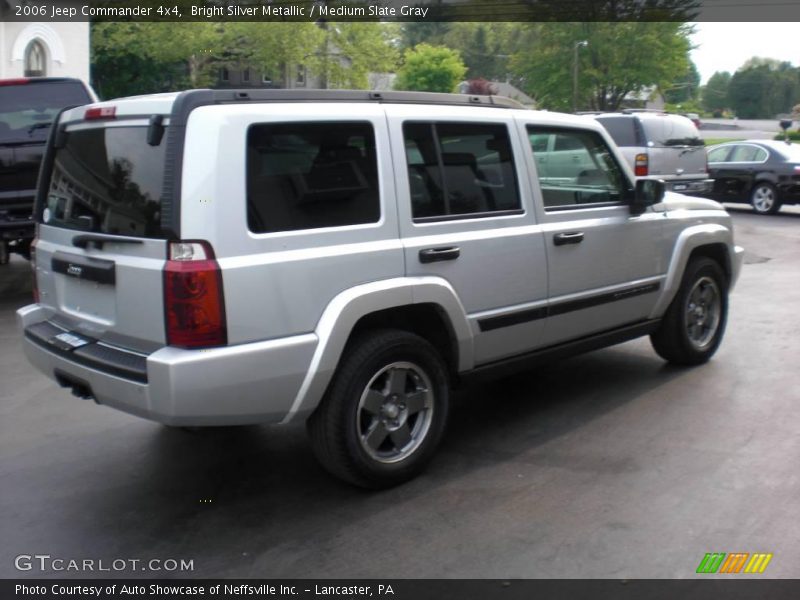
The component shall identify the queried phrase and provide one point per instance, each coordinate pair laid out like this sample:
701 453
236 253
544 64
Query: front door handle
429 255
572 237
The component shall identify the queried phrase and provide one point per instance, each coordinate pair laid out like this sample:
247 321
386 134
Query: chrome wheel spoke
415 401
376 435
397 381
401 437
373 401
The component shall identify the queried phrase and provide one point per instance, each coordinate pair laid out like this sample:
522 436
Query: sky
725 46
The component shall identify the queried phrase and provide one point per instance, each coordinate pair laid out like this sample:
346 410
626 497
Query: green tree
763 88
429 68
714 96
350 51
621 58
684 88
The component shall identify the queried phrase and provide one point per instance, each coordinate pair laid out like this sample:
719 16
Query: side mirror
648 192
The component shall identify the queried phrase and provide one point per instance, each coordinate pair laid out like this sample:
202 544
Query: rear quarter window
311 176
623 130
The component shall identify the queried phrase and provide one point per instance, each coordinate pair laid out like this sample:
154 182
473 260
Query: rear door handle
429 255
572 237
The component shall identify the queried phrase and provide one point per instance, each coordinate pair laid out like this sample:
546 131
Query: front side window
311 175
460 169
575 167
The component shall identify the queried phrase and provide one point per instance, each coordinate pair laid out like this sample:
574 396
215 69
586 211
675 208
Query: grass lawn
712 141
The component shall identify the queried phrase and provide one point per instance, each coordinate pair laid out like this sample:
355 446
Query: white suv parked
345 258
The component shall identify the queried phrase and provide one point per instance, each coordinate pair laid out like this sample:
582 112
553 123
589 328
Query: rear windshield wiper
36 126
98 239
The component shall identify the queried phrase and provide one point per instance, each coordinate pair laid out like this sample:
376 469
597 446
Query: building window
266 79
301 76
246 75
224 74
35 60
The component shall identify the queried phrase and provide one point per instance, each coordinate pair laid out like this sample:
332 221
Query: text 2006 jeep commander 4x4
226 257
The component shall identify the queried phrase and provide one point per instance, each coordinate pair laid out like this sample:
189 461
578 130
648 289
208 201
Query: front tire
764 198
384 412
694 323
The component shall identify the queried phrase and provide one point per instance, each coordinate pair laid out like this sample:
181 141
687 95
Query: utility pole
577 45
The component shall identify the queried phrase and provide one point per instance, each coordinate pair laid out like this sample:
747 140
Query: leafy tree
685 87
350 51
714 96
621 58
429 68
485 47
763 88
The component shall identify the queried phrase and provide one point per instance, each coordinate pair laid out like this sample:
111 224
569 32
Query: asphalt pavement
611 464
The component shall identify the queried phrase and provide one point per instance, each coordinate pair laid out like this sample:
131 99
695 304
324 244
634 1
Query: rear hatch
101 253
675 148
27 110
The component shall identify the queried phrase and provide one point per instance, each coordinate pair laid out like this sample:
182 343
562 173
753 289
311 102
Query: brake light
194 302
18 81
100 112
640 165
33 271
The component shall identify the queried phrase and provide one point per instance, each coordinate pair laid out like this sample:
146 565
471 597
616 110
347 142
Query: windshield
107 180
27 110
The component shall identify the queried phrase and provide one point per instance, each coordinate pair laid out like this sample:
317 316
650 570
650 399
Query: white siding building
43 49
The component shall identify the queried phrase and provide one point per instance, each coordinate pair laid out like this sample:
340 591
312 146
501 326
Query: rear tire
764 198
693 326
384 412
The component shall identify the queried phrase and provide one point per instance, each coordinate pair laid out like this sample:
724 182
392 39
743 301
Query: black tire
4 252
764 198
384 412
693 326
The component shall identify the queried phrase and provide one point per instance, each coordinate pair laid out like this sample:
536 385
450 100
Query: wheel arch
413 304
711 240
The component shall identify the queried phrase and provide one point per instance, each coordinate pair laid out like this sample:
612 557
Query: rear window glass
622 130
671 131
27 110
311 175
107 180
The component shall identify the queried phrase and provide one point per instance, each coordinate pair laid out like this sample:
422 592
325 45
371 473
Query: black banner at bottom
405 589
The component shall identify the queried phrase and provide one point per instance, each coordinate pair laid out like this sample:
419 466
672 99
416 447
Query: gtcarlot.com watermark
46 563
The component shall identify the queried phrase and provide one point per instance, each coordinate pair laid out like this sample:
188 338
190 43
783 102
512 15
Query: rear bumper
235 385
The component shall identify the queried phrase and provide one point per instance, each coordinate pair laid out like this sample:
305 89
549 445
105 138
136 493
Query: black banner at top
401 10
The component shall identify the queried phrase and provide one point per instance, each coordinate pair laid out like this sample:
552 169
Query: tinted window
623 130
671 130
718 154
27 110
107 180
460 169
583 174
746 153
311 175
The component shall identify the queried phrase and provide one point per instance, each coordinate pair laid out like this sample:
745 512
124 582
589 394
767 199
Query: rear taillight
17 81
33 271
194 303
640 165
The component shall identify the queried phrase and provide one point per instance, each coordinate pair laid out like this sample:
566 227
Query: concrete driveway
611 464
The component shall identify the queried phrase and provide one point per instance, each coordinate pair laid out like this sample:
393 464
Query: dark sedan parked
764 173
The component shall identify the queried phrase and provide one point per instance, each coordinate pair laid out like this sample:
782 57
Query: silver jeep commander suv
233 257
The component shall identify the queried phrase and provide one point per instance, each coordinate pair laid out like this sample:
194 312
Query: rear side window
27 110
746 153
311 175
107 180
623 130
457 169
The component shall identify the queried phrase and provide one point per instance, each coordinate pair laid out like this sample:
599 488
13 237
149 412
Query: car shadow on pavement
236 498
